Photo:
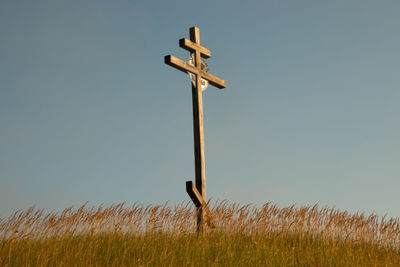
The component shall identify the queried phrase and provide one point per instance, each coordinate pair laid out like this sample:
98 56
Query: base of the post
202 212
200 220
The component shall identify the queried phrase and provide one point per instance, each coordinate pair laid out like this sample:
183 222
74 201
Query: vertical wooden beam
199 150
194 34
198 133
198 128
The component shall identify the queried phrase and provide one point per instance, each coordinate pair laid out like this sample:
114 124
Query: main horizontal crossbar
185 67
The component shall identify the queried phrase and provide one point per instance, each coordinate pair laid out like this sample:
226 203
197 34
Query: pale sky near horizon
90 112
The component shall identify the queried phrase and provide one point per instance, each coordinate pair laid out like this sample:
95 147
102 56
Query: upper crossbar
193 47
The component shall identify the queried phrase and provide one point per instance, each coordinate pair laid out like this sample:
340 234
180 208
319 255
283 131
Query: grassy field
164 235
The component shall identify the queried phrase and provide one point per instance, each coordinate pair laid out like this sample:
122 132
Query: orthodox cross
197 192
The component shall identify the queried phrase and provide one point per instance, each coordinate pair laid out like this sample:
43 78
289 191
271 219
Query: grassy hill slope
165 235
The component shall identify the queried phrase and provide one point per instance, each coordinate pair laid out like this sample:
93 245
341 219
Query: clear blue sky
89 111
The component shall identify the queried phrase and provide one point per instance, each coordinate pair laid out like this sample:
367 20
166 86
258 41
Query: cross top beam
197 193
193 46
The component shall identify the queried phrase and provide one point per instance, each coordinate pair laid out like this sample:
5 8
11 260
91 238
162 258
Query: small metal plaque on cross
198 73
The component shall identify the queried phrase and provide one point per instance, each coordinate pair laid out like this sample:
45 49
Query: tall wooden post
197 193
198 121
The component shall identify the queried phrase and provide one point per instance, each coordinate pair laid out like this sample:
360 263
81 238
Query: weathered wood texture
193 47
197 193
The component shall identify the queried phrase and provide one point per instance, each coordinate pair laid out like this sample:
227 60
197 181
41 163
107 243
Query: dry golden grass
177 219
269 235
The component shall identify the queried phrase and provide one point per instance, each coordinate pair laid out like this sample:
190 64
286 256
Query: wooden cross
197 193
